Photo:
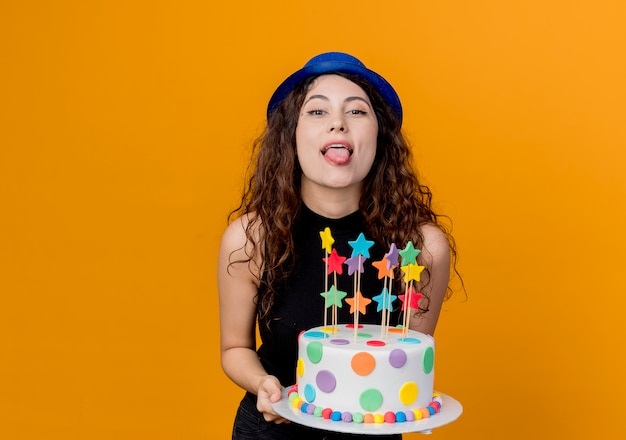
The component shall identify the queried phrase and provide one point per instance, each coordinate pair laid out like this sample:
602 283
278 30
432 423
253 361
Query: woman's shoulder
238 233
436 246
241 237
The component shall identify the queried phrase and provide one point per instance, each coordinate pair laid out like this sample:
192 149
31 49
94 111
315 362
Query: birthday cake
365 373
389 378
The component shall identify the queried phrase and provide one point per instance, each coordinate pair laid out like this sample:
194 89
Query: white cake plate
450 411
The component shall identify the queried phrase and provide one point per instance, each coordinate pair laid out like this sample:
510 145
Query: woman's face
336 134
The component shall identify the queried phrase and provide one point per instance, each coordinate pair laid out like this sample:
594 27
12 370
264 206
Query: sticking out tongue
338 156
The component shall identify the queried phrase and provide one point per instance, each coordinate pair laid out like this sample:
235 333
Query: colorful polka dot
326 381
296 401
428 360
363 363
409 341
408 393
293 396
390 417
371 400
397 358
300 367
364 335
314 352
357 417
329 329
376 343
314 335
339 341
309 393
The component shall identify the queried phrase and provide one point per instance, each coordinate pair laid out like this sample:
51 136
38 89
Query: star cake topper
361 246
335 262
409 254
327 239
361 300
334 296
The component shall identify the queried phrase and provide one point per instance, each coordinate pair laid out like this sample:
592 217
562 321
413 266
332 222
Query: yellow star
327 239
412 272
363 302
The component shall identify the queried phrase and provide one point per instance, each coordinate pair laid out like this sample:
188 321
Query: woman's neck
331 202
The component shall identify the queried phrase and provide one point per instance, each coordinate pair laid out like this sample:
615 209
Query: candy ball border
298 403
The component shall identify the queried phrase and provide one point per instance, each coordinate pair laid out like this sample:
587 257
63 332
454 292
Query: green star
333 296
409 254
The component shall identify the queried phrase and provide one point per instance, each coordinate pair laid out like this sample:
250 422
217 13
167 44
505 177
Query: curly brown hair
394 203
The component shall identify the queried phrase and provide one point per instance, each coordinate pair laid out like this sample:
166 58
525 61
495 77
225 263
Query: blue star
383 300
361 246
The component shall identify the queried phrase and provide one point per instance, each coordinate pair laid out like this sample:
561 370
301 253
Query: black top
299 304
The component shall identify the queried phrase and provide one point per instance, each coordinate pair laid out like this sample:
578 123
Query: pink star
414 298
335 262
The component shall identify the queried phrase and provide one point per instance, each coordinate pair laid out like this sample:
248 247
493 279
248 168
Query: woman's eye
357 112
315 112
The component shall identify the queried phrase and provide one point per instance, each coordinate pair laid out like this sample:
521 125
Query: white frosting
397 376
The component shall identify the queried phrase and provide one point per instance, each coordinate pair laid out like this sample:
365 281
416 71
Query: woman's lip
340 144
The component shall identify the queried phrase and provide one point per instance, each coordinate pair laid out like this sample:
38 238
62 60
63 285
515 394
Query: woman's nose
337 124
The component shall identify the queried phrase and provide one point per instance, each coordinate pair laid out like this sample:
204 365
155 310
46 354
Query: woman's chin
336 185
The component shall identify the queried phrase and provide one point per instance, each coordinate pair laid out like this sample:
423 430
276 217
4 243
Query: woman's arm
436 256
237 287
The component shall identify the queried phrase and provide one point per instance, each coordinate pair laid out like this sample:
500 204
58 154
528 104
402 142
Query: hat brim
327 67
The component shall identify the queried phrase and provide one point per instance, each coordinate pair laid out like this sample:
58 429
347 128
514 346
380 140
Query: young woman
332 155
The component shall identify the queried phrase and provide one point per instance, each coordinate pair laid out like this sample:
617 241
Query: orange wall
124 131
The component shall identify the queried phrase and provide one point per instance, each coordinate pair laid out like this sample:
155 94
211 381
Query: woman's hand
269 392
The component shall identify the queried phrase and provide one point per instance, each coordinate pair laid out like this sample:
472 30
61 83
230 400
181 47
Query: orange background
124 132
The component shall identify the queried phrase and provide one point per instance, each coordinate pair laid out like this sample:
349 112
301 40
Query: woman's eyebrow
357 98
324 97
348 99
